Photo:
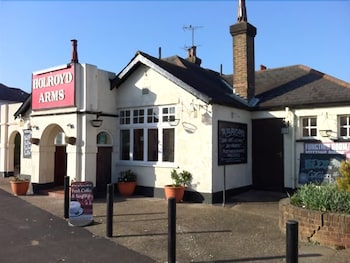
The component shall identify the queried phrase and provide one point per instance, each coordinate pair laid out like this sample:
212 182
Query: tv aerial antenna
193 29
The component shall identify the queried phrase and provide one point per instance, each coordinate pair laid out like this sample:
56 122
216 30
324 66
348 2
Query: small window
152 115
168 114
124 117
309 127
103 138
139 115
344 126
60 139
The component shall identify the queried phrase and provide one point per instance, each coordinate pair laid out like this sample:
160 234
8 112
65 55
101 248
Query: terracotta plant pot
19 187
174 191
126 188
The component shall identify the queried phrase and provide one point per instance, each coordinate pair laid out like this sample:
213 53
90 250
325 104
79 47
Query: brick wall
327 229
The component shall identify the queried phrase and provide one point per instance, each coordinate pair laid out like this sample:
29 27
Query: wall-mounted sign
53 89
319 168
80 206
27 145
328 148
232 143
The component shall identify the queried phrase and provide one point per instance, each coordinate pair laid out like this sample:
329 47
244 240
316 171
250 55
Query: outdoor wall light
70 125
325 133
96 122
35 127
285 127
173 122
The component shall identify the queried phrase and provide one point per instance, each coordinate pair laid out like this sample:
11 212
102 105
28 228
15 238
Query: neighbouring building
10 100
271 129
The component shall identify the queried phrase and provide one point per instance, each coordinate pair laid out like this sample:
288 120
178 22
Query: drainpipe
293 150
6 141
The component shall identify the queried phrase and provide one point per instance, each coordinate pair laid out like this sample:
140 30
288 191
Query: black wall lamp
97 122
285 127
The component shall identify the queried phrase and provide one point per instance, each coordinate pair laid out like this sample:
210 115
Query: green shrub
325 198
343 181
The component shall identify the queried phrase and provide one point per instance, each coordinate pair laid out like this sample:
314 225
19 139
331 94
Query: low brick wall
327 229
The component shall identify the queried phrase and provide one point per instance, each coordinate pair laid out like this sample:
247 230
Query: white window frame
309 127
346 126
157 123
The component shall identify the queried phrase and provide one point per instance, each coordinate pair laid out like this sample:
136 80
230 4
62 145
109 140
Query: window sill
341 139
308 140
147 164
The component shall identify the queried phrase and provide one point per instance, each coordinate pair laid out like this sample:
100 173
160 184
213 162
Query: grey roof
203 83
12 94
295 86
298 86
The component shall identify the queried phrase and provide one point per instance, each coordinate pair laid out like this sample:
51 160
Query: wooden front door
60 165
103 169
267 154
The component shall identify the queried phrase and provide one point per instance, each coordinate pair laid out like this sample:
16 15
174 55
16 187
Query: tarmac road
30 234
244 230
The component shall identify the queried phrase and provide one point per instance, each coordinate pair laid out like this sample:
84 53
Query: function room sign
53 89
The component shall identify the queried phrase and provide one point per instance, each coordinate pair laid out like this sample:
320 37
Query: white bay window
146 134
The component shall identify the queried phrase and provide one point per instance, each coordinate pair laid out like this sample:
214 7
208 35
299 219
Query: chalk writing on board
319 168
232 143
27 146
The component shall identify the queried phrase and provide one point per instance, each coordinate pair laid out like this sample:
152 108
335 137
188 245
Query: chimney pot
74 51
263 67
192 55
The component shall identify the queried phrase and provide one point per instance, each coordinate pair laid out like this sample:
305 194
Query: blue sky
35 35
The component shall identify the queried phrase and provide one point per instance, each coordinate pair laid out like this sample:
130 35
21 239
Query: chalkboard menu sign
319 168
232 143
27 146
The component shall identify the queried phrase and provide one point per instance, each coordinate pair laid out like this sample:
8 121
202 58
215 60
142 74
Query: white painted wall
327 119
92 94
192 135
237 175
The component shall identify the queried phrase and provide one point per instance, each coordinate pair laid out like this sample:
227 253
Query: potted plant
177 188
127 183
19 185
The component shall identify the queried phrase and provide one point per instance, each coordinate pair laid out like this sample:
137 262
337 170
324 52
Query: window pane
343 121
313 132
305 132
138 144
344 126
153 145
152 115
138 116
168 114
313 121
125 144
102 138
305 122
168 145
124 117
343 132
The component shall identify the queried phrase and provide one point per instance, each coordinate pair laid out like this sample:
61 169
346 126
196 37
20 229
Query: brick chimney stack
192 55
243 35
74 51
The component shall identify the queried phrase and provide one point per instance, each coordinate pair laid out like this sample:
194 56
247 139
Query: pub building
261 129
